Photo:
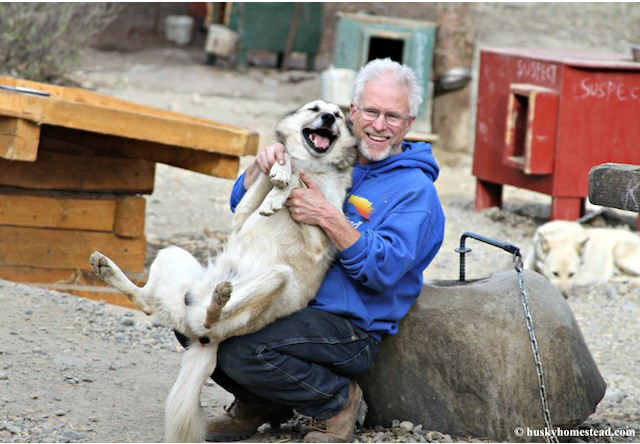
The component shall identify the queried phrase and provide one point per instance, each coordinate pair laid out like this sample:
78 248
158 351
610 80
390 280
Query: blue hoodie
394 205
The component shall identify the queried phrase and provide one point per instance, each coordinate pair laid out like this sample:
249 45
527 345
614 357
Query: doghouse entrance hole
520 117
380 48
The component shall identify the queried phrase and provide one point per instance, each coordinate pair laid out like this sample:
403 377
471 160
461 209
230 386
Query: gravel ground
73 370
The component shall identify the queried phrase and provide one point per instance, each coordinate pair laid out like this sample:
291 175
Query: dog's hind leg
220 297
109 272
251 300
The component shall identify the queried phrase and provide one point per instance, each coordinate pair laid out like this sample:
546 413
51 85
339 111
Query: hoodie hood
414 155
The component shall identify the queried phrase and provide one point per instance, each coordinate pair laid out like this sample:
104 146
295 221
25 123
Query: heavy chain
550 432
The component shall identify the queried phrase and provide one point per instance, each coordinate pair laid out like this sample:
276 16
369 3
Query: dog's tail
185 420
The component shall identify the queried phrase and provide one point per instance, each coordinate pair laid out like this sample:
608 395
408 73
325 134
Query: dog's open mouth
319 140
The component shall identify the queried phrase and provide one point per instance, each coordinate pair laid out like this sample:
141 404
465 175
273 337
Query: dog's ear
543 243
582 246
281 137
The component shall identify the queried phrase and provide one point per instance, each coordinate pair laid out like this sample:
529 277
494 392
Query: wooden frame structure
74 166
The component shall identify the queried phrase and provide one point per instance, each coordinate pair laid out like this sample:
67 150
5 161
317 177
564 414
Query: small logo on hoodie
362 206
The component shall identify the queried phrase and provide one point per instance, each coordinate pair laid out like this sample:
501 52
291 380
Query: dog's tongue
320 141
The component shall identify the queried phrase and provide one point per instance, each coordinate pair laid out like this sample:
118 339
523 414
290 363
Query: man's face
377 139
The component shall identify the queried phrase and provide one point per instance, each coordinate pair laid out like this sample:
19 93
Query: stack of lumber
74 168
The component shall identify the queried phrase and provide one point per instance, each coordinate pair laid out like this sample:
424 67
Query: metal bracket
462 250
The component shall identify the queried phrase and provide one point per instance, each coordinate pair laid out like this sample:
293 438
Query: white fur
569 254
270 266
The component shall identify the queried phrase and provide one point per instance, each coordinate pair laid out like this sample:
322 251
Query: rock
462 361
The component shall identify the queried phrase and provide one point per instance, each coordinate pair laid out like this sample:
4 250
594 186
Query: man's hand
263 163
310 206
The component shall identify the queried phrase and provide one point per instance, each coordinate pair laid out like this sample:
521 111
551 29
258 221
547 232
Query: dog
568 254
269 267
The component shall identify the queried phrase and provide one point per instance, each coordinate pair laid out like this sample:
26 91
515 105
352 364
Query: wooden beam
19 139
129 216
123 215
615 185
50 248
130 123
65 140
55 171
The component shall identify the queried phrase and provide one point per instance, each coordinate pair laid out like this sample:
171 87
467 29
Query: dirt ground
73 370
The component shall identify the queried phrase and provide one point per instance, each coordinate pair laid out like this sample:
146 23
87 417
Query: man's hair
404 76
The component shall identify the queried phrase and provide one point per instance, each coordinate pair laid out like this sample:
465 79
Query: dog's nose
328 119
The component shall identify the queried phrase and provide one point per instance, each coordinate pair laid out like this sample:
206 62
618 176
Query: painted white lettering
608 90
536 71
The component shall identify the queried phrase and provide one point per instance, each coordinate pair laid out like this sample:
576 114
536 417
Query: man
393 228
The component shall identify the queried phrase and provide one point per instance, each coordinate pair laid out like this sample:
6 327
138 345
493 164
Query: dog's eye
337 115
315 109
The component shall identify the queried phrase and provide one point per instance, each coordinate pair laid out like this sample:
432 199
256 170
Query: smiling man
394 226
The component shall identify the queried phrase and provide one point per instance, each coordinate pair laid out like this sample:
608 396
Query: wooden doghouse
74 166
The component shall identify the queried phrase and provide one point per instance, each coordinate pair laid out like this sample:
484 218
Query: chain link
551 435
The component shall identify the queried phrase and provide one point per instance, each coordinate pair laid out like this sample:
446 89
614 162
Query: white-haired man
394 226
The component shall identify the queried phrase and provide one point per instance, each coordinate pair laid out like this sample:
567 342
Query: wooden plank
96 99
615 185
68 276
123 215
19 139
95 293
50 248
73 141
55 171
131 124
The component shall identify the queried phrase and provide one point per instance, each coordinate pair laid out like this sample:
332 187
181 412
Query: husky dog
270 266
568 254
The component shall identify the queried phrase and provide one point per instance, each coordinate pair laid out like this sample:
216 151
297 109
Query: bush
44 41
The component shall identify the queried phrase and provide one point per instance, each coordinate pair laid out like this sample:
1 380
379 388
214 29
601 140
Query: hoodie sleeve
237 192
409 237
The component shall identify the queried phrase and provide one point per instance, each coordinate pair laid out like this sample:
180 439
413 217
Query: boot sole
239 436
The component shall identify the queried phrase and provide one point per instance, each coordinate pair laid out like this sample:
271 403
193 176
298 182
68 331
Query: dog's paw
223 292
101 265
279 176
269 207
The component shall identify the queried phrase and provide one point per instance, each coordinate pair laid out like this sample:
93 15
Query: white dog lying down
568 254
270 266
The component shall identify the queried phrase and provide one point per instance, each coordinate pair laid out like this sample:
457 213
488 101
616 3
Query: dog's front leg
274 201
251 200
280 175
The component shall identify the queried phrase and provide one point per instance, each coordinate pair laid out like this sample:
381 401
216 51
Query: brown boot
241 420
340 428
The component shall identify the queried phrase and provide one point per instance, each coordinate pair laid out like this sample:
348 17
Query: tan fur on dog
270 266
569 254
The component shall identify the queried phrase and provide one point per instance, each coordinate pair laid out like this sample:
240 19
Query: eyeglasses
392 119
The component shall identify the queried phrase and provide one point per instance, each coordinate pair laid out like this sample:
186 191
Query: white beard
363 149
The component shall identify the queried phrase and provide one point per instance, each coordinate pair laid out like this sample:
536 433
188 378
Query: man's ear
409 123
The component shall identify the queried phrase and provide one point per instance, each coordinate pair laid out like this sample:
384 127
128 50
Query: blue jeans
303 361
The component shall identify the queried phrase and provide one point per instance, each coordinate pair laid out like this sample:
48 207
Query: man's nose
380 123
